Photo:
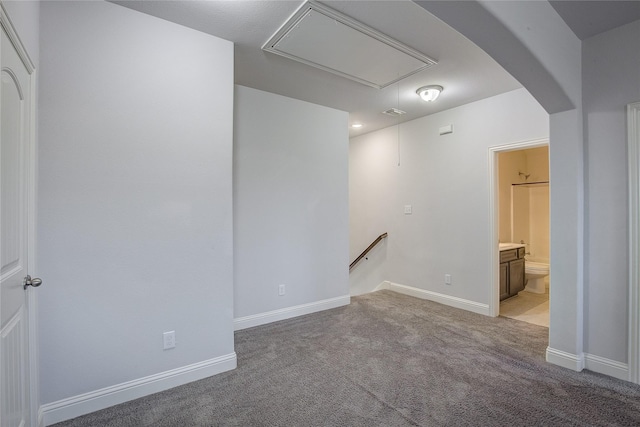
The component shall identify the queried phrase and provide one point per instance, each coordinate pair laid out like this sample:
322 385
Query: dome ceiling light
429 93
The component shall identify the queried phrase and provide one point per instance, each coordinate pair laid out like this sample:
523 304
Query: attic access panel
324 38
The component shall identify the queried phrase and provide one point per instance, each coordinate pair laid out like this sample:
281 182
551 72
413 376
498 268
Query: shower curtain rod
531 183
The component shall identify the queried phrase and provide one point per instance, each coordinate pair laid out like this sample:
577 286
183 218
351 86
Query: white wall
291 223
611 80
553 45
533 43
372 185
135 229
446 180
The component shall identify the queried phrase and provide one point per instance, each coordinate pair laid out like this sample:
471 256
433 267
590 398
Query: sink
507 246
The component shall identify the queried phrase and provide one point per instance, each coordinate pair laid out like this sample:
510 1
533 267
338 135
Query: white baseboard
588 361
40 422
566 360
289 312
606 366
449 300
76 406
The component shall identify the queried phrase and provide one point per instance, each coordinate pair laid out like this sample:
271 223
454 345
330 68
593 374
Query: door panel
504 280
516 276
12 211
15 128
14 371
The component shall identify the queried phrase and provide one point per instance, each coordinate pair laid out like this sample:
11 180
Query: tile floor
528 307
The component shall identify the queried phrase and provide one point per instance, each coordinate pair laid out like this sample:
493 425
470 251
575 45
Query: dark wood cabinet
511 272
504 280
516 276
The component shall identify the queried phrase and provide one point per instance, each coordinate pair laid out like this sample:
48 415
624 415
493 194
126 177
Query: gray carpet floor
388 360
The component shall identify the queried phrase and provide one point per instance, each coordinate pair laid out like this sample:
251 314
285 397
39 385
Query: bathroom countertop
507 246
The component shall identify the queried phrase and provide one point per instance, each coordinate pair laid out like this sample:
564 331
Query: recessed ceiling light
429 93
356 125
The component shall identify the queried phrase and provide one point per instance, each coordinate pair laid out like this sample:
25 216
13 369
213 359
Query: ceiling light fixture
356 125
429 93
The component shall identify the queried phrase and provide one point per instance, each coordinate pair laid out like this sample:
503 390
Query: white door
15 161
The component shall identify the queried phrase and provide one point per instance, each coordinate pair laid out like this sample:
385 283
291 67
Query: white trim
494 226
11 323
6 23
633 126
34 371
82 404
566 360
32 294
606 366
449 300
289 312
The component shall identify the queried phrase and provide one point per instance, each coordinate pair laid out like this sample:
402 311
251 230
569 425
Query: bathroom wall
539 223
519 215
509 164
524 210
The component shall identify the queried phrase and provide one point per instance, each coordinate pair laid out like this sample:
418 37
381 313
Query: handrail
366 251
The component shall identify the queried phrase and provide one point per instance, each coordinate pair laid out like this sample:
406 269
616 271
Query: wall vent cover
394 112
325 38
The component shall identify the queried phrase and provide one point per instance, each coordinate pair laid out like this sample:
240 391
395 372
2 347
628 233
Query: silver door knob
35 282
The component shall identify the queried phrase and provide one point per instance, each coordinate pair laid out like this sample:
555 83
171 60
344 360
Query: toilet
534 273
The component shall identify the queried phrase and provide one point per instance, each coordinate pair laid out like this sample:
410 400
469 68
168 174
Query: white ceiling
465 71
588 18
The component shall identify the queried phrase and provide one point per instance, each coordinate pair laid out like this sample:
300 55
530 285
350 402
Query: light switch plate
407 209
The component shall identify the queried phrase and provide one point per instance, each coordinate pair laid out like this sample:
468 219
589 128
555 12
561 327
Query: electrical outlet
169 339
407 209
447 279
281 290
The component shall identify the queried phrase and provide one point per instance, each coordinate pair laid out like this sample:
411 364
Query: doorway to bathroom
520 218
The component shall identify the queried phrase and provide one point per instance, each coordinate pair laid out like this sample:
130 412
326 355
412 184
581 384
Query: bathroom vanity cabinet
511 272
